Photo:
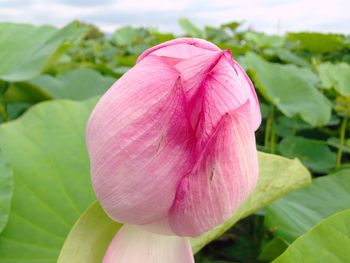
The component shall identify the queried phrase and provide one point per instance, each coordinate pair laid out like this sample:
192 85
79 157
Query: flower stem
341 143
269 126
272 138
3 113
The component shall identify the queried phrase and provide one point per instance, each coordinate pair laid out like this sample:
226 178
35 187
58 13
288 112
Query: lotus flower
172 149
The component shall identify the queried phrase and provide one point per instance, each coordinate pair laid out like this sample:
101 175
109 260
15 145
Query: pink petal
140 143
248 87
214 84
225 174
181 48
134 245
194 73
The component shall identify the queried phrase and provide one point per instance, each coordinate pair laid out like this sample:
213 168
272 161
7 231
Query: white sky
272 16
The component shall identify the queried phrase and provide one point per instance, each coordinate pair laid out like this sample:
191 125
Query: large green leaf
6 189
327 242
314 154
128 35
337 76
288 56
263 41
78 84
273 249
290 88
318 42
294 214
25 50
46 150
190 29
25 92
100 229
278 176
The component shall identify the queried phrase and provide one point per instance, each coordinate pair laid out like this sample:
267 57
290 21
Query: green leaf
25 92
290 88
25 50
337 76
232 25
263 41
128 35
95 241
318 42
190 29
287 56
278 176
287 127
6 189
78 84
296 213
273 249
335 142
327 242
315 154
46 150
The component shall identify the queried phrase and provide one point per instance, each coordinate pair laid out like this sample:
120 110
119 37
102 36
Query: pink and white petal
133 130
181 48
134 245
248 86
226 89
195 70
224 176
194 73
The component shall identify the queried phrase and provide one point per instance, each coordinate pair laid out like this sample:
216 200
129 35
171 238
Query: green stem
295 125
341 138
3 113
269 124
272 138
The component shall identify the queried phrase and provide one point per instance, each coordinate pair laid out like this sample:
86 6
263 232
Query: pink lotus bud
172 144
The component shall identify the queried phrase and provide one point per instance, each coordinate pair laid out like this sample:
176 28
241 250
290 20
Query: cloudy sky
272 16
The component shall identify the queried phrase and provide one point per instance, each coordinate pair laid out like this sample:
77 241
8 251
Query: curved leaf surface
6 189
296 213
46 150
290 88
329 241
21 61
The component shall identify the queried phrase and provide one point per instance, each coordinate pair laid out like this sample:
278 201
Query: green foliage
89 238
315 154
273 249
190 29
26 50
6 189
287 87
336 76
294 214
318 42
46 149
327 242
77 84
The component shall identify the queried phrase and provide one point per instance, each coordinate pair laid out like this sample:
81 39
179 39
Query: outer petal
140 143
225 174
194 73
215 84
181 48
247 85
134 245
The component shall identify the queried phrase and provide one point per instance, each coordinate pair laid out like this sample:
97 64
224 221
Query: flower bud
172 143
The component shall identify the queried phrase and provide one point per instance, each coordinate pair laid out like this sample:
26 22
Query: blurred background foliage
302 80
